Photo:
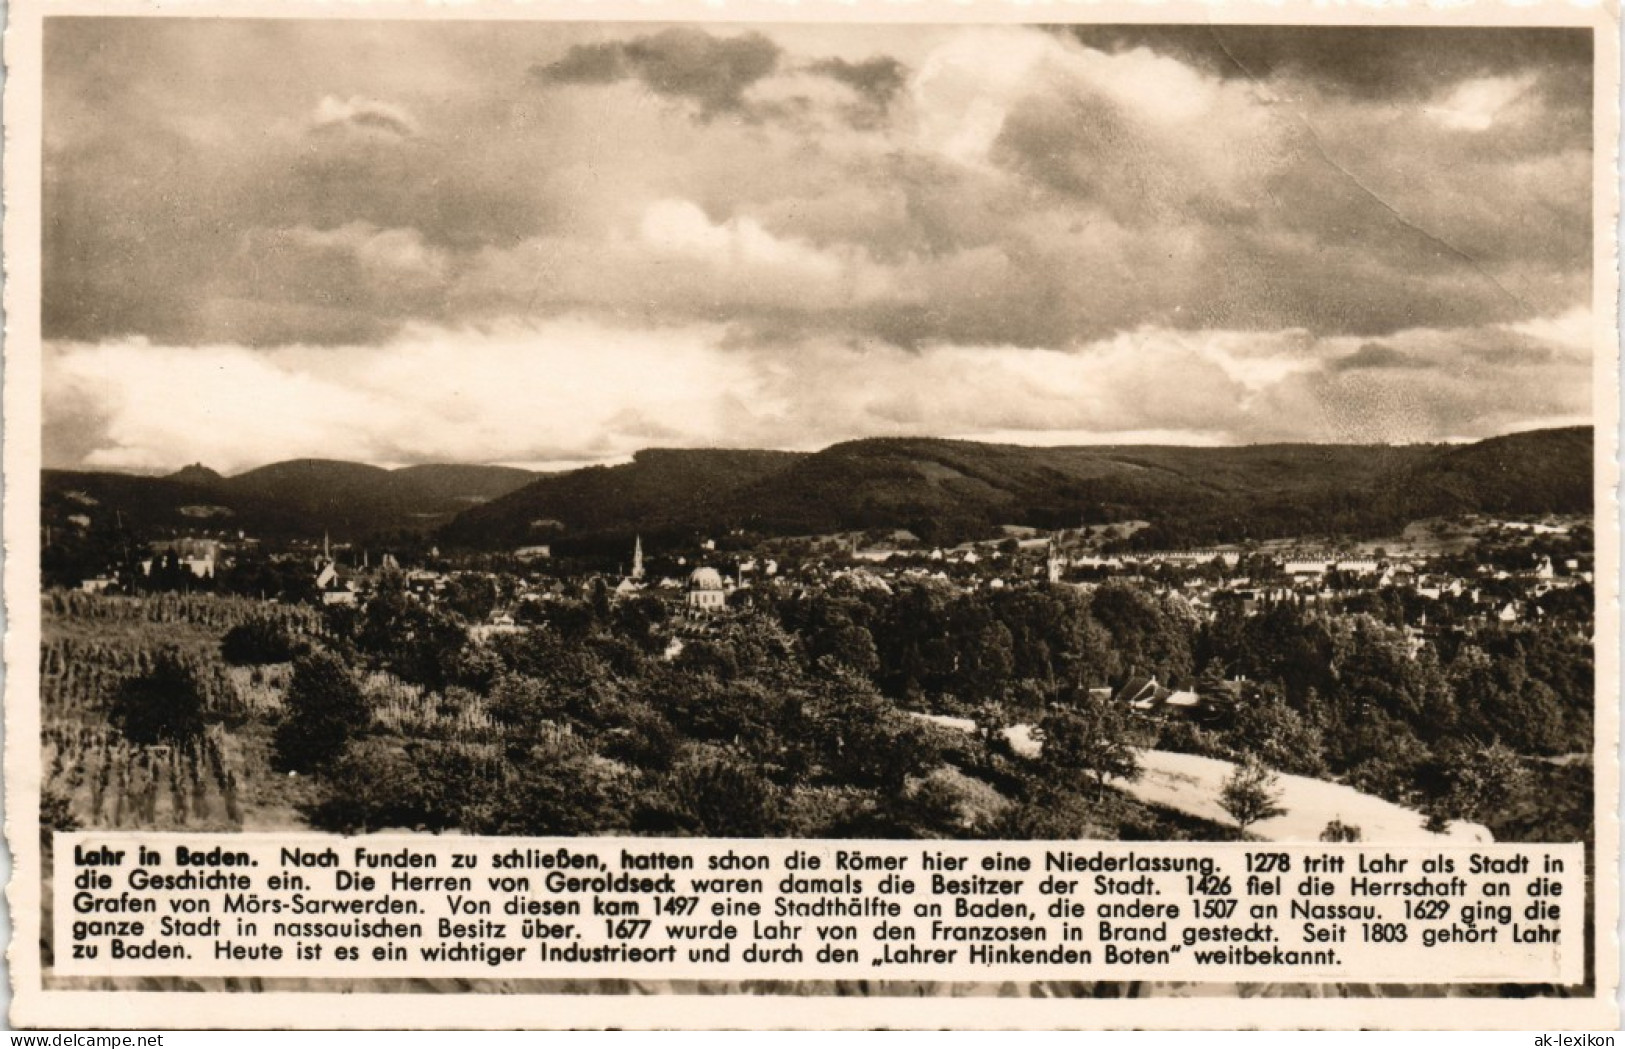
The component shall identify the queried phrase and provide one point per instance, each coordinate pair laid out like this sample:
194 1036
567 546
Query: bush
561 789
380 784
1050 815
257 642
164 705
1187 737
1337 830
717 798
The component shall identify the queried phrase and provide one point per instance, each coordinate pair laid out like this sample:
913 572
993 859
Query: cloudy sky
556 244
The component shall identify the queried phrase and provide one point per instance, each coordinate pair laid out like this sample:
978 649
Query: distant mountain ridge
941 489
946 489
298 497
659 489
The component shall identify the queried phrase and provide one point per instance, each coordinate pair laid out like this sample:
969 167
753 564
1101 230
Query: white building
706 591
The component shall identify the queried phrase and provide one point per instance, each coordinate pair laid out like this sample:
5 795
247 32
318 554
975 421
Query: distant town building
198 556
333 590
706 591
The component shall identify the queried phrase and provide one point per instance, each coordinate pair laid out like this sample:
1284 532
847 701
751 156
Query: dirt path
1191 784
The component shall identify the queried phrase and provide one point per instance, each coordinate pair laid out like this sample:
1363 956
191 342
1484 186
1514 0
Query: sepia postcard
821 515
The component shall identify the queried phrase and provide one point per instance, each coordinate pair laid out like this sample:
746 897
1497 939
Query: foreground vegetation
790 717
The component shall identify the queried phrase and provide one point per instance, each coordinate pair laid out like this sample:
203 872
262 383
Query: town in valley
212 662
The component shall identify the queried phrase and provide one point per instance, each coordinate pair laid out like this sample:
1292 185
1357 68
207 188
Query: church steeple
637 558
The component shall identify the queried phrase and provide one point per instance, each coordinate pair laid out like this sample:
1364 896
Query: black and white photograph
841 431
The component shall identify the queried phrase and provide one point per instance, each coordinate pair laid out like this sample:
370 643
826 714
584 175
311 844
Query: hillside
946 490
303 497
659 488
1543 471
942 490
353 498
902 482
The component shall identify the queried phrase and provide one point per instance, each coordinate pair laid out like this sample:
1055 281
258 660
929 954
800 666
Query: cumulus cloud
1375 355
364 114
712 72
1361 62
876 81
1227 233
579 390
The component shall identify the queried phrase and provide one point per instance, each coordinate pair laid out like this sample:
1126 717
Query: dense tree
1264 727
1147 637
725 798
640 736
561 788
324 709
525 704
639 619
259 641
254 575
1498 699
471 595
858 736
1473 782
381 784
164 705
1088 738
852 645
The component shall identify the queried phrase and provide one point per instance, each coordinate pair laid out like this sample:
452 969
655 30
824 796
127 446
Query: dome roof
705 579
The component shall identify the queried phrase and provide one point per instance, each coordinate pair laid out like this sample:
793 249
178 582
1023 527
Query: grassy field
1191 785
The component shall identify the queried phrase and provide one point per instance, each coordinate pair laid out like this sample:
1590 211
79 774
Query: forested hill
302 497
660 489
1542 471
947 490
942 490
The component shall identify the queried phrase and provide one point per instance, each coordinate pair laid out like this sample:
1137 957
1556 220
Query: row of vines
90 645
112 783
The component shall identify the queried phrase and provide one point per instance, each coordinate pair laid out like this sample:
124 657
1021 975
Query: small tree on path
1252 792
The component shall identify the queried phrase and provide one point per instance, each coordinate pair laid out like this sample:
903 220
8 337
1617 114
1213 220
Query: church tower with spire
637 558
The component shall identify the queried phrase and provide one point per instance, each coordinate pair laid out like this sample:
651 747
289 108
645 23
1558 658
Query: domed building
706 591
